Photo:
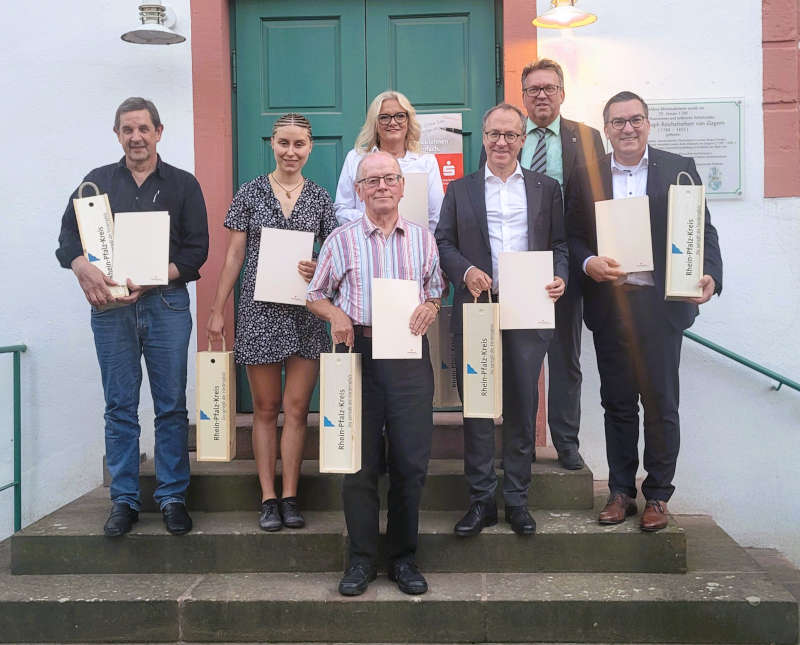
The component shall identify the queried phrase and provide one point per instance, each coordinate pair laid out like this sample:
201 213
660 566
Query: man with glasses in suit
558 147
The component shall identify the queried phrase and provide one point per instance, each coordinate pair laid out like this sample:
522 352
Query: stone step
448 436
71 541
233 486
468 607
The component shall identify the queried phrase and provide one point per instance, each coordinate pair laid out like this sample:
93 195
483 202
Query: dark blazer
463 231
594 184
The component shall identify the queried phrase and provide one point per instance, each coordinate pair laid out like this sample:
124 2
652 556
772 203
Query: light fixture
155 28
564 15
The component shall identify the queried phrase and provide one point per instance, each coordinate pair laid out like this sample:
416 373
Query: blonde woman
269 335
391 126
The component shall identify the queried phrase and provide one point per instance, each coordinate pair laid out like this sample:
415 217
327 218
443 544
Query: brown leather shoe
655 516
617 508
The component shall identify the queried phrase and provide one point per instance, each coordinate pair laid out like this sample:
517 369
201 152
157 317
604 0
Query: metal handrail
782 380
17 482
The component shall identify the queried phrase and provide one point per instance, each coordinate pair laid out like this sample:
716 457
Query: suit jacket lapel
569 152
477 197
533 194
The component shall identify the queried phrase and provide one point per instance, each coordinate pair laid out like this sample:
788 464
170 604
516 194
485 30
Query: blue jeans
157 326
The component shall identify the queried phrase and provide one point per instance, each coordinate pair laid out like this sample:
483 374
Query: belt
362 330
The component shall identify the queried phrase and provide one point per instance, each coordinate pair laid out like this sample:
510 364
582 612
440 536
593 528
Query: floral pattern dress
269 332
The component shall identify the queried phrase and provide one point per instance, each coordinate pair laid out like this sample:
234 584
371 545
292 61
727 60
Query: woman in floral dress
271 336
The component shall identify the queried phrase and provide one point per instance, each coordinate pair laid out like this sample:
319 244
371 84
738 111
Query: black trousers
564 362
397 394
523 353
638 356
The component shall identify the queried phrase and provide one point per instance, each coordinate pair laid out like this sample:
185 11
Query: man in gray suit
501 207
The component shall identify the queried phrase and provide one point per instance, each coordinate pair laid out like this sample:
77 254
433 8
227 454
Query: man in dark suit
501 207
557 147
637 334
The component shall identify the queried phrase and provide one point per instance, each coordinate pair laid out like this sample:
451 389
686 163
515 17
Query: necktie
539 161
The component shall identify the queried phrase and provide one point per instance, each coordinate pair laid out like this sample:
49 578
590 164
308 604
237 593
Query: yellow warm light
564 15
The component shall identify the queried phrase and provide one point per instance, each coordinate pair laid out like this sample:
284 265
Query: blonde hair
368 137
293 118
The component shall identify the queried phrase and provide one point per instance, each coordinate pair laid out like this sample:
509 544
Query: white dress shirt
506 215
630 181
349 207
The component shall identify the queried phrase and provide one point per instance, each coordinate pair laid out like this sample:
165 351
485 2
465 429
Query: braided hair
292 119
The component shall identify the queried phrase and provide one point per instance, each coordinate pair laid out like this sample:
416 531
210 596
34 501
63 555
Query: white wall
740 439
64 71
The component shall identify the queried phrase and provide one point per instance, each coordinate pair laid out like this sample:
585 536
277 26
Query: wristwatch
435 304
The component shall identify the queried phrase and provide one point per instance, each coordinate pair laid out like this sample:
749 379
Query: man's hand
93 281
135 292
422 318
556 288
604 269
215 326
708 285
477 281
341 327
306 269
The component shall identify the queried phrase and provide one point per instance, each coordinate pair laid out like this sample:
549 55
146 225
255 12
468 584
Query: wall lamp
564 15
155 26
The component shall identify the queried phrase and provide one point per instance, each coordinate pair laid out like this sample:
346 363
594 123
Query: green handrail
782 380
17 483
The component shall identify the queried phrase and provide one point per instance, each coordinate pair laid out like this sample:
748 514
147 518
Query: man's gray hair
504 106
377 153
134 104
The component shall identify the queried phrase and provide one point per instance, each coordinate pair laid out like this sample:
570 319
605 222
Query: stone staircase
575 581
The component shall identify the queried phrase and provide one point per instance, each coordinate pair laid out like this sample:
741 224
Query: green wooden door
326 59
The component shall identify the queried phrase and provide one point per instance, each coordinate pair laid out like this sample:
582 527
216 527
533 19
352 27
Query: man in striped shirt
397 394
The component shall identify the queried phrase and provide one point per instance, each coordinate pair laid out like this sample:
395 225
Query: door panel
299 57
439 54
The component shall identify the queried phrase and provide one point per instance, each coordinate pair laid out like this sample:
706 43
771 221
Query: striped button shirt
358 251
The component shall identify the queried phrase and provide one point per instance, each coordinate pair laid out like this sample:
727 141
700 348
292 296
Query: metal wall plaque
710 131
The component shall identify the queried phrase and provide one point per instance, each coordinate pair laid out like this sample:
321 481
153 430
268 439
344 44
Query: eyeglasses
533 90
494 136
635 121
399 118
373 182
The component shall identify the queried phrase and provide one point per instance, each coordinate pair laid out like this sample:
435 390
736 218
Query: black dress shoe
176 518
408 578
570 460
120 520
290 512
520 519
356 579
479 515
270 517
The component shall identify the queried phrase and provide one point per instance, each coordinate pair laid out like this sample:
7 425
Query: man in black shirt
154 322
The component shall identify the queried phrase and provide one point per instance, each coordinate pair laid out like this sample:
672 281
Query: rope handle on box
223 343
84 185
475 298
683 172
333 346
